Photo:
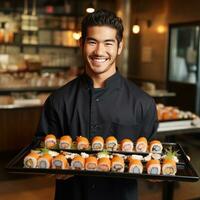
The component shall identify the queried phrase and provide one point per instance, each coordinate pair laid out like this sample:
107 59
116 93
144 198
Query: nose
99 50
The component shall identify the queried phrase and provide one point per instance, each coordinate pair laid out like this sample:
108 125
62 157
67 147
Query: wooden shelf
27 89
39 45
55 67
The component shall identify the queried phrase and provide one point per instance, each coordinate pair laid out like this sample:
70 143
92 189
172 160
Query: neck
100 79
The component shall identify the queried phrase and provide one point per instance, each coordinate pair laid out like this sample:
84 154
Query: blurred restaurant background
39 52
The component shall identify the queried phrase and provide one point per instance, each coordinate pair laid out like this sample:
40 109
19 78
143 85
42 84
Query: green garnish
170 154
44 150
103 152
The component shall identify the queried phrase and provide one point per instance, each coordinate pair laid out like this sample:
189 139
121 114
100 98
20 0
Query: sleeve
49 120
150 121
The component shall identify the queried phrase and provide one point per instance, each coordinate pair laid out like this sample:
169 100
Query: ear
120 47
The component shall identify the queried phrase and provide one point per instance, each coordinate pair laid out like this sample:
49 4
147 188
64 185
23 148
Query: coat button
97 99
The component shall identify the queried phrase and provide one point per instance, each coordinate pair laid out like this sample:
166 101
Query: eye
108 43
91 42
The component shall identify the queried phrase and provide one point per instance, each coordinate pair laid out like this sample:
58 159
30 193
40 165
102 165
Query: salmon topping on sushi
50 141
104 164
45 161
60 162
135 166
97 143
153 167
65 142
82 143
169 167
117 164
111 143
155 146
78 163
30 161
126 145
91 163
141 144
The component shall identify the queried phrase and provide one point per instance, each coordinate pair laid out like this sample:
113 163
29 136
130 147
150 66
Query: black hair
102 18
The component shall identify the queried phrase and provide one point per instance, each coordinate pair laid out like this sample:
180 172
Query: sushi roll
135 166
160 111
153 167
175 113
45 161
50 141
97 143
30 161
82 143
78 163
60 162
126 145
104 164
117 164
169 167
141 144
65 142
91 163
155 146
111 143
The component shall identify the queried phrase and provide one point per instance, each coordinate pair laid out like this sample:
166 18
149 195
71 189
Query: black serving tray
185 171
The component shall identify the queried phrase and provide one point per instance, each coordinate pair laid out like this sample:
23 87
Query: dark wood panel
185 95
17 127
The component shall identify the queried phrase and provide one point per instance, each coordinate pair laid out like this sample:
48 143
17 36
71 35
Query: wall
148 50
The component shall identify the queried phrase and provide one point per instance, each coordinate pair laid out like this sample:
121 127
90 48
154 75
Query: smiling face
100 50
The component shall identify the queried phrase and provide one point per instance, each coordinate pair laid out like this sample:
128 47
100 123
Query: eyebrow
108 40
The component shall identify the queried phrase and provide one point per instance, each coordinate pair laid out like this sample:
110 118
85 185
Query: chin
99 70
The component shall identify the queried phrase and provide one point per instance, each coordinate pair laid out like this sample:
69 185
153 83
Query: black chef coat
120 109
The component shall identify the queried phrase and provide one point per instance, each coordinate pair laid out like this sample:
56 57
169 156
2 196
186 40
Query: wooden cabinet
18 127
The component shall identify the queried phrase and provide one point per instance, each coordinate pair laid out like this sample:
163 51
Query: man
99 102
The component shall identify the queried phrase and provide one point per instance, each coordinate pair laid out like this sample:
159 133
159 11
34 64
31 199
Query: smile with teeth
99 59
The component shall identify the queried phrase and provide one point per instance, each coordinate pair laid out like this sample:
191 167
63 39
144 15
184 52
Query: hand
63 176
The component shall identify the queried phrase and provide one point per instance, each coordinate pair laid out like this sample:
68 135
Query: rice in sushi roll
30 161
135 166
126 145
97 143
78 163
141 144
82 143
104 164
153 167
111 143
117 164
50 141
60 162
65 142
155 146
91 163
45 161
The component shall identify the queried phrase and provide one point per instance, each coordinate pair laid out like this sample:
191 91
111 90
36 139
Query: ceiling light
77 35
90 8
136 29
